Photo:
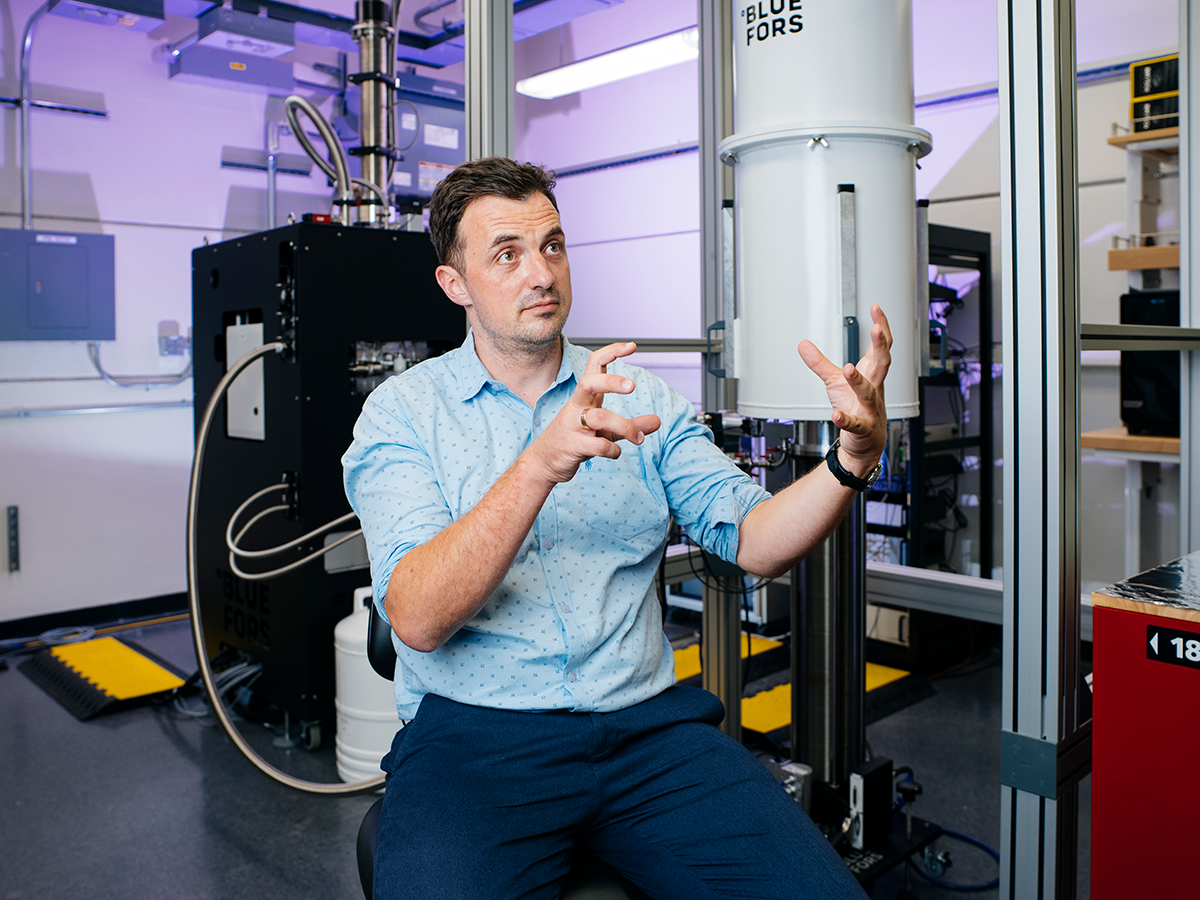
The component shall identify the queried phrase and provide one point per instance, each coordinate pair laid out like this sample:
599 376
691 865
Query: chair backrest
380 651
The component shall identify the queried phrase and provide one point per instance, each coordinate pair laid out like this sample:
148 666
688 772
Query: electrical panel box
56 286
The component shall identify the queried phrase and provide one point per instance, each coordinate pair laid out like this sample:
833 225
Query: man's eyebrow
499 239
503 239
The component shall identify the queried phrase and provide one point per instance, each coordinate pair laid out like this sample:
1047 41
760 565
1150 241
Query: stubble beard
533 338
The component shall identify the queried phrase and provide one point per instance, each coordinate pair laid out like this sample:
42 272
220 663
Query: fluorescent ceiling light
636 59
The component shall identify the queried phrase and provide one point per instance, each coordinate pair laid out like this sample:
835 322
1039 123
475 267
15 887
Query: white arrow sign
1154 643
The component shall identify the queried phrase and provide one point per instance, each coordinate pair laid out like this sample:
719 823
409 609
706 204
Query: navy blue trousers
484 803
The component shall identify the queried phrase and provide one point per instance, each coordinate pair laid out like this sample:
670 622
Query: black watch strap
846 477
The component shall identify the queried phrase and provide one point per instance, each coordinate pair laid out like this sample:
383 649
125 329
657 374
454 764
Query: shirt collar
474 377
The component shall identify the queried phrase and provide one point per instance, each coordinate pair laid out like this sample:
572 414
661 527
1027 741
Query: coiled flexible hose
206 672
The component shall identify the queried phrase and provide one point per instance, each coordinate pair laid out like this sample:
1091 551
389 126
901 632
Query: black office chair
590 878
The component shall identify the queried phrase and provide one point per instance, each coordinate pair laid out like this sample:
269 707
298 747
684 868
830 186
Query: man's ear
453 284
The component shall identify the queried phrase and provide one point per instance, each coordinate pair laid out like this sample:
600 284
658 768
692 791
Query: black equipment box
1150 378
1157 112
361 298
1152 77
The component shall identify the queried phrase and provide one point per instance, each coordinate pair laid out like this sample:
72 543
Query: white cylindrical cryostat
823 97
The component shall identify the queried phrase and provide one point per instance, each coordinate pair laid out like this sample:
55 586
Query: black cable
703 578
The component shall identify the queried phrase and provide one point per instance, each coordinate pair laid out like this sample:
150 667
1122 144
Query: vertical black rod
987 452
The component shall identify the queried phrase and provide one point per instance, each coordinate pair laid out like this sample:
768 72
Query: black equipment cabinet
351 291
963 249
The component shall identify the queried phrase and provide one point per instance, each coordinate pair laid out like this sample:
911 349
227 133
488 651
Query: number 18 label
1170 646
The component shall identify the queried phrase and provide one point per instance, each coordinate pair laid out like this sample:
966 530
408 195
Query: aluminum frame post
1045 749
490 79
720 642
715 20
1189 310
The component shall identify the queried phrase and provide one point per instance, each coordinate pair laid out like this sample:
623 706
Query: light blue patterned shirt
576 623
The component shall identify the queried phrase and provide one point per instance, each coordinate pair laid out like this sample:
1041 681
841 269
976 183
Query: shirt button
565 608
549 545
537 421
570 676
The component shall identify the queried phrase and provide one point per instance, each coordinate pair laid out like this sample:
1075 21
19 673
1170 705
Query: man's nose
539 272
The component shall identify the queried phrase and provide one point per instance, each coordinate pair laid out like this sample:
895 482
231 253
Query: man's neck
527 372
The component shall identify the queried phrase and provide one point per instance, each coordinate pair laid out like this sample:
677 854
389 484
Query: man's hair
491 176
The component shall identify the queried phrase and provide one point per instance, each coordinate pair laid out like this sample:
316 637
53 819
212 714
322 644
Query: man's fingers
883 351
616 427
863 389
607 354
880 319
815 360
596 383
647 424
593 386
852 424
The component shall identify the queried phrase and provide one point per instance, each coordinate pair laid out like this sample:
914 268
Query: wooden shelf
1120 440
1141 137
1160 257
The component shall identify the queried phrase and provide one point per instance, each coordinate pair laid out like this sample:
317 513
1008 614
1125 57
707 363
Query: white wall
633 232
102 497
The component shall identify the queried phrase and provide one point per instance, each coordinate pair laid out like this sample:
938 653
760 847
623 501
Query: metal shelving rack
962 249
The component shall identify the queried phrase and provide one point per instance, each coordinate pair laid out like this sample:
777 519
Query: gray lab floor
148 803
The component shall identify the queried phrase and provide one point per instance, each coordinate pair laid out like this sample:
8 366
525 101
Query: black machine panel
360 298
1150 378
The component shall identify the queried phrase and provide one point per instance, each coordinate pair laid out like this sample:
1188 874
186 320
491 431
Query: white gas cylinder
366 703
823 96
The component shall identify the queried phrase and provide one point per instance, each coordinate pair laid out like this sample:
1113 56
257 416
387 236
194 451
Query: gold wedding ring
583 419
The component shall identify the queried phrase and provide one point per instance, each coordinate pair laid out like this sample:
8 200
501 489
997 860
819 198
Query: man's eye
507 256
554 247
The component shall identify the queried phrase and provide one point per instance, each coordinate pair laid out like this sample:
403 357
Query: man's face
517 282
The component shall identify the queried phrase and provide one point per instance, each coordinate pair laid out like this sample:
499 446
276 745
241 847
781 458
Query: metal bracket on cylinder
360 77
848 266
729 288
718 325
923 286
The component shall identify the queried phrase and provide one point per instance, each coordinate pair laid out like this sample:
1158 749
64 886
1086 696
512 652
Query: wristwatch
847 478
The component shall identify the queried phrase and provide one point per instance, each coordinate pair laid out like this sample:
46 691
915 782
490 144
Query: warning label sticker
430 173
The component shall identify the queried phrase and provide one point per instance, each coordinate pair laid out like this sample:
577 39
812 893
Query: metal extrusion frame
1189 313
715 25
1045 748
489 78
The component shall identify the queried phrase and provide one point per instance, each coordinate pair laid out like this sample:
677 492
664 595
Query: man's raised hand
856 393
584 429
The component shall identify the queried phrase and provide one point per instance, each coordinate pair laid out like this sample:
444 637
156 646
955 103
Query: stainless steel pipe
26 101
828 606
373 33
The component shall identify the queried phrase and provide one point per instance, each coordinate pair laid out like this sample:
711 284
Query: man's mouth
543 305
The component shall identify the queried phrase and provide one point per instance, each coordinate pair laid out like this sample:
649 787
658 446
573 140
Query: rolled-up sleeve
708 495
391 485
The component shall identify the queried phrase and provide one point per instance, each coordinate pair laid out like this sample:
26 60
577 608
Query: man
515 496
